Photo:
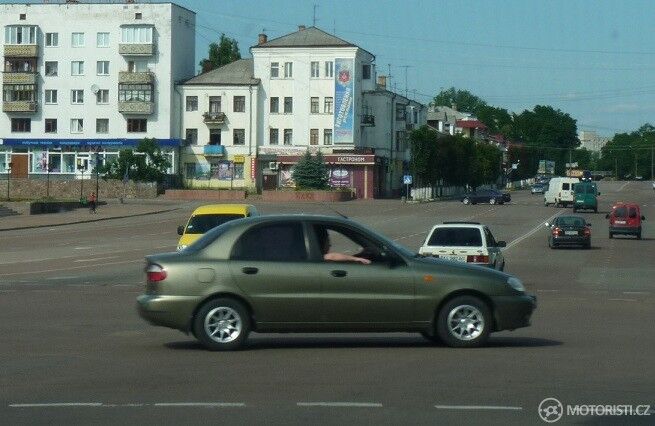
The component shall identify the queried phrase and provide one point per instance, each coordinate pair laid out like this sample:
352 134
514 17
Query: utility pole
406 66
651 162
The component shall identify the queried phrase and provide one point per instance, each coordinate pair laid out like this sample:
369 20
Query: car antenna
335 210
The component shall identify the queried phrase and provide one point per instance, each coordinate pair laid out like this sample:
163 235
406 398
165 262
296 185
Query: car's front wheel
466 201
492 201
222 325
464 322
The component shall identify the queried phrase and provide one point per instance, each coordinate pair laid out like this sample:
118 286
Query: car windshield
456 237
571 221
202 223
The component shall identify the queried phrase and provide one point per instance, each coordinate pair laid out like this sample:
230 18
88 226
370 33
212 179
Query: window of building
50 96
275 105
313 136
77 96
192 103
215 104
22 16
239 104
288 69
366 71
77 125
190 170
238 170
288 136
275 69
137 66
51 125
327 137
400 112
273 136
18 92
136 34
21 125
328 104
329 69
102 96
102 67
314 68
137 125
313 102
20 34
191 136
239 136
51 68
51 39
134 92
138 15
102 125
77 40
102 40
288 105
77 68
20 65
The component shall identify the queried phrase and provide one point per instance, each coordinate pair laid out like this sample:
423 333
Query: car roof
622 204
222 209
458 225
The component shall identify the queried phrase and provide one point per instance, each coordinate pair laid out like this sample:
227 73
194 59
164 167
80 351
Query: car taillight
155 273
587 232
556 231
477 258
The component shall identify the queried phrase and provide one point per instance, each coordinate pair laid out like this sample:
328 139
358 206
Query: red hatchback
625 219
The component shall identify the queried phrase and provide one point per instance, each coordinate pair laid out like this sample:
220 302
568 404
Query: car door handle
338 273
249 270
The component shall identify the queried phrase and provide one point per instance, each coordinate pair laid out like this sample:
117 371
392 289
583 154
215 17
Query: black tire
502 267
611 235
639 235
588 245
236 310
595 209
575 210
464 303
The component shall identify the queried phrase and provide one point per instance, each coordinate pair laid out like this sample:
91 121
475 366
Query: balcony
21 51
368 120
214 118
136 107
136 49
213 150
19 77
409 126
128 77
19 106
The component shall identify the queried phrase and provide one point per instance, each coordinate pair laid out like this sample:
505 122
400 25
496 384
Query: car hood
453 266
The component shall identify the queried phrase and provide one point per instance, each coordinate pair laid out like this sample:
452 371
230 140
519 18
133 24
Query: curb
88 221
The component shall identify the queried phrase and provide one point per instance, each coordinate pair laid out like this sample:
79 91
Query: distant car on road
490 196
625 219
569 231
210 216
278 274
538 188
468 242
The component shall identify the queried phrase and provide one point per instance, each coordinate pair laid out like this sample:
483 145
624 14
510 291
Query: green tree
463 99
310 172
423 156
222 53
146 163
629 154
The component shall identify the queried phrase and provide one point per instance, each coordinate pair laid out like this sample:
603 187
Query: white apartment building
591 141
83 80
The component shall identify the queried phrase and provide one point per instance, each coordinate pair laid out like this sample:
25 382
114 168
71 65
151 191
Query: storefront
357 172
215 171
69 157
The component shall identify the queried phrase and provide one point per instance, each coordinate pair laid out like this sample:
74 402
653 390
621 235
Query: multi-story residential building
315 92
591 141
83 80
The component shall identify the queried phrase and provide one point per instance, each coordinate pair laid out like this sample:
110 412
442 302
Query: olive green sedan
307 273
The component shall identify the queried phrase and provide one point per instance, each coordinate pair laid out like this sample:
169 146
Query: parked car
271 274
585 196
210 216
569 231
560 191
490 196
468 242
538 188
625 219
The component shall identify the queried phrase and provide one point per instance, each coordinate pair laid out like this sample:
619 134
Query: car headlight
181 247
516 284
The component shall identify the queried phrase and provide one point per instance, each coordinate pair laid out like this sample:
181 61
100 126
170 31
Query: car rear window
571 221
620 212
632 213
202 223
459 237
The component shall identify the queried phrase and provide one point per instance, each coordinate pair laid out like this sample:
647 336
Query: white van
560 191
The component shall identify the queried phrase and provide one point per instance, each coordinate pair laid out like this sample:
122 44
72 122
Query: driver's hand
364 261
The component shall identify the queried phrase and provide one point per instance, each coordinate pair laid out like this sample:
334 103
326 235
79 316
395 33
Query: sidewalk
112 210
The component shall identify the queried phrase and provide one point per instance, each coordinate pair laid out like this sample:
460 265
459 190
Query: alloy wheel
223 324
465 322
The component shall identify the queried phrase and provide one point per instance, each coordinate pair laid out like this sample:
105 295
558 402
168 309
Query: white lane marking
124 285
199 404
623 186
340 404
94 259
68 269
82 248
623 300
532 231
477 407
61 278
548 291
636 292
58 404
7 291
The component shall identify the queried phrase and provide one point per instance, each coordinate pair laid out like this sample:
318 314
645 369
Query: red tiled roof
470 124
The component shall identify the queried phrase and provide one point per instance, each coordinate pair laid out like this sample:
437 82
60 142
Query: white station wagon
468 242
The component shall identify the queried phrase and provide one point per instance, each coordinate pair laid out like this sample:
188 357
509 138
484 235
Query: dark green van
585 196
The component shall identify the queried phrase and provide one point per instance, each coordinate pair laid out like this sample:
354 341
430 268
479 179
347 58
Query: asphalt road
74 351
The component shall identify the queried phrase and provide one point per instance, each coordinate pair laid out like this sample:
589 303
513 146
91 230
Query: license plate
620 222
571 233
454 258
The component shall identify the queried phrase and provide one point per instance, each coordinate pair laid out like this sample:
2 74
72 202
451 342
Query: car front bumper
167 311
512 312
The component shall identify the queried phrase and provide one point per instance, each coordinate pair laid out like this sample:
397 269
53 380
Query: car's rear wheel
466 201
222 325
639 235
492 201
464 322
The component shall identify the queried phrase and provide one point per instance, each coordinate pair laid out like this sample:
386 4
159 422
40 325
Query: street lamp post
97 176
8 177
47 187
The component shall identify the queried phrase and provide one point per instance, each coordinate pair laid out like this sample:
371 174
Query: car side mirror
180 230
607 216
643 217
599 193
501 244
